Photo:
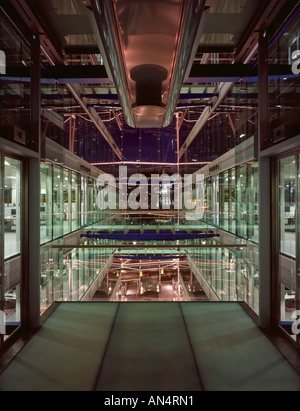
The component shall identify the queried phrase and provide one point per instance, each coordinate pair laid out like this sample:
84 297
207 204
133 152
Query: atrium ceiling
89 80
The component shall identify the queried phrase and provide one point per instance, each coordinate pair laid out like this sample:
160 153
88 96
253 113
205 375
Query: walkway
155 346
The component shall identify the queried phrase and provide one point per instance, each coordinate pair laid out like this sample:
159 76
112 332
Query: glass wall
288 232
67 208
284 91
11 222
58 215
231 201
68 202
287 201
67 275
12 207
241 203
232 273
224 201
252 197
46 203
15 93
75 200
14 127
84 202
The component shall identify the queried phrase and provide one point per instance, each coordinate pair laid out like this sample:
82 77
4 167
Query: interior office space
172 286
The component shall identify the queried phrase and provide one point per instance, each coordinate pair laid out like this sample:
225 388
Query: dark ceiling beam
94 49
200 73
81 49
215 48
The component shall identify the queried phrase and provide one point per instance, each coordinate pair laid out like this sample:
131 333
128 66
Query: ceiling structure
135 82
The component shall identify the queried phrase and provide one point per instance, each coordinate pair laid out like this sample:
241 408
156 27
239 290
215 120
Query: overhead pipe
148 48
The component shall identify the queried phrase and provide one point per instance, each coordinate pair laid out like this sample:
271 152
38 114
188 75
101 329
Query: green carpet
149 347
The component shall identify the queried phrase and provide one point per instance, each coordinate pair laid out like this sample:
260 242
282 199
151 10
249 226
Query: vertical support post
178 162
264 186
34 190
72 130
298 240
2 299
159 276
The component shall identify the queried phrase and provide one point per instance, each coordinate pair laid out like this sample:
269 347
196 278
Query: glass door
10 239
288 267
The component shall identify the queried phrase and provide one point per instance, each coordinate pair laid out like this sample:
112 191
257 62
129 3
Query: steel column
33 245
264 187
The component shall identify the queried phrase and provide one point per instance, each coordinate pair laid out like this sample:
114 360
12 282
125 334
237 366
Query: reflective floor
149 347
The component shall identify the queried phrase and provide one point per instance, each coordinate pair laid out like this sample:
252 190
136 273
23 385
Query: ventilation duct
148 47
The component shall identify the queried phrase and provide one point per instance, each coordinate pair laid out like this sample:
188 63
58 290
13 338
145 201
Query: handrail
98 281
187 296
115 290
210 293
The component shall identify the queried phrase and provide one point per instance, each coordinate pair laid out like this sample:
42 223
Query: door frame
276 291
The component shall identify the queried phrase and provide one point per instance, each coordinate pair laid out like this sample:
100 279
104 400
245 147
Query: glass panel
287 206
12 243
2 299
252 202
216 200
298 243
12 207
241 203
224 201
46 203
15 94
91 202
84 221
209 201
52 278
57 202
287 235
75 201
67 202
232 202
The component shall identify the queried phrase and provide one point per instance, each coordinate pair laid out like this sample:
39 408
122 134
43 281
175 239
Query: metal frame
199 73
276 297
149 247
1 239
23 249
